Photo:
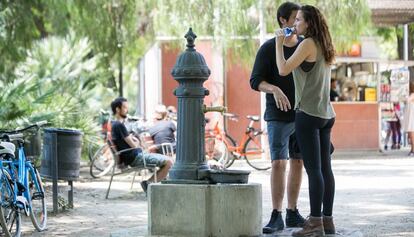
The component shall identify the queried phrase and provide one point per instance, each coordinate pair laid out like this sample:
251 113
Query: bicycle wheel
230 140
253 151
230 160
92 148
38 210
10 218
221 153
231 156
102 162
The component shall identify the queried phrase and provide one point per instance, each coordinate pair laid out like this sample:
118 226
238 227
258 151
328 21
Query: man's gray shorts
150 159
281 142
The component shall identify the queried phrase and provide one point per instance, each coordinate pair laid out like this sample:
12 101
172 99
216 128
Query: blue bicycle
21 187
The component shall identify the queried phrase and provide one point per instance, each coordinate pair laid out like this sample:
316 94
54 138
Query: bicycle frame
249 133
23 167
19 169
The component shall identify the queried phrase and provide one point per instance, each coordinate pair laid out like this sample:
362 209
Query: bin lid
63 131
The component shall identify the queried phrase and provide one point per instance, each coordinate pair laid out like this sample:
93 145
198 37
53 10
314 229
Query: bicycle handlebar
36 125
231 116
42 123
255 118
12 137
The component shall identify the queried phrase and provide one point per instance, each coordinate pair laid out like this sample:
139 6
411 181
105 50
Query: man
163 130
280 125
333 95
134 157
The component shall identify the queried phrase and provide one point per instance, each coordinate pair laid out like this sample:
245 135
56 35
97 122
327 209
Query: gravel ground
374 195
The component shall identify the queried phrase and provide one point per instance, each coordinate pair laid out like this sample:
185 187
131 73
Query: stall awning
391 12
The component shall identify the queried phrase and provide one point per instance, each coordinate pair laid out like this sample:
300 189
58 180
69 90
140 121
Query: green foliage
114 26
56 82
133 25
224 20
229 19
130 27
347 19
21 23
388 41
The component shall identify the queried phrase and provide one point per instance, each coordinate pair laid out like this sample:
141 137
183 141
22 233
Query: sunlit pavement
374 193
374 197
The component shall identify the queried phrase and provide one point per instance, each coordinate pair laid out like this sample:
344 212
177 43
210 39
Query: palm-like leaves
56 82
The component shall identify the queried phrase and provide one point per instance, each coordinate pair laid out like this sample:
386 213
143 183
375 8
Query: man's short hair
285 10
160 112
117 103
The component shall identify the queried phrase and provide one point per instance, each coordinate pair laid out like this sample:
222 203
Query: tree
229 19
133 25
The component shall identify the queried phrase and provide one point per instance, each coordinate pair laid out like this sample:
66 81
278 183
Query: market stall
365 93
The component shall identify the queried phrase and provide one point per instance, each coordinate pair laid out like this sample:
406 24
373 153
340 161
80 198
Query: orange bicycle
248 149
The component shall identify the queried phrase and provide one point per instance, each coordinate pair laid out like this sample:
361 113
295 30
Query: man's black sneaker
275 223
144 186
293 218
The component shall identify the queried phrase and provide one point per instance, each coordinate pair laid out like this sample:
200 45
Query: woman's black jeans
314 138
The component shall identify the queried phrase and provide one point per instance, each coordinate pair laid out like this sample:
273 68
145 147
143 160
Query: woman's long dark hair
319 31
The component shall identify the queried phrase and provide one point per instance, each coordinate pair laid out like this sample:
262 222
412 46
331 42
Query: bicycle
217 150
248 149
21 186
103 161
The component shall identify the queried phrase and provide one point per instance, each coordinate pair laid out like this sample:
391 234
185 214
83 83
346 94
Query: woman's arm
305 51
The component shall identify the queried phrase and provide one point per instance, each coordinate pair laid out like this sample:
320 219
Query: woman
314 113
408 119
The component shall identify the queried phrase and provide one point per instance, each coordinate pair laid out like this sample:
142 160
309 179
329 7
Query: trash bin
63 146
33 145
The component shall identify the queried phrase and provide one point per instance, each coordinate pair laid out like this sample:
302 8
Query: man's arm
133 143
261 71
266 87
261 67
277 94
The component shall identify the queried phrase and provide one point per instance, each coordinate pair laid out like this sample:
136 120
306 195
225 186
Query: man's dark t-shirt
265 69
163 131
333 95
119 132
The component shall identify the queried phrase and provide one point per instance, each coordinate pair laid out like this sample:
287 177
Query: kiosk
364 89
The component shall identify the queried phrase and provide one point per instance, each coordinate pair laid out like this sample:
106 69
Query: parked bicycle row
21 187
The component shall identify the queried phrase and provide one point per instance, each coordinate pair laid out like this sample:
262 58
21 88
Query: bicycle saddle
253 117
7 148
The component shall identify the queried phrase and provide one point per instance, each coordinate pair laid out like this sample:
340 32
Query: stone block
222 210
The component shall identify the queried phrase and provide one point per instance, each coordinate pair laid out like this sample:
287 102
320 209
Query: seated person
172 113
333 95
134 157
162 131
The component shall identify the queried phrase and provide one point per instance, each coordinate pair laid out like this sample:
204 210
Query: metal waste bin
63 146
33 145
61 159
